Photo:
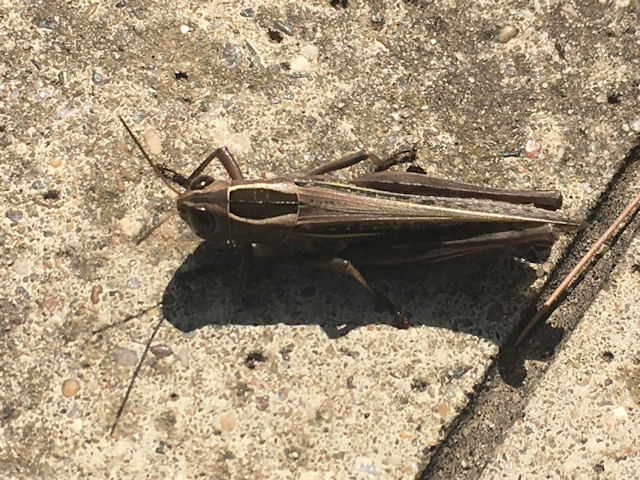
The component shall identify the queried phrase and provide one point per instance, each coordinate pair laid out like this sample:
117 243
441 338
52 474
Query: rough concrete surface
300 377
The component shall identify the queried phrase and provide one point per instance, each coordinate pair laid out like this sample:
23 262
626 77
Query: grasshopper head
204 207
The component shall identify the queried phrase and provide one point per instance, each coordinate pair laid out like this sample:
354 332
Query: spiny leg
407 155
344 162
403 156
345 267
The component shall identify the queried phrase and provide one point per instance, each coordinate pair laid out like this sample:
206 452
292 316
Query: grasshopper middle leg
345 267
402 156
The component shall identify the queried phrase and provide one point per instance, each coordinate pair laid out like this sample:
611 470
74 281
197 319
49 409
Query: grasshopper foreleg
173 176
226 159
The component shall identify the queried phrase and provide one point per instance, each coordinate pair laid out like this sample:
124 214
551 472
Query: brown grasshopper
382 218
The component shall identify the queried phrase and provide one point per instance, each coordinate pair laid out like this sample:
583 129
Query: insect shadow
481 295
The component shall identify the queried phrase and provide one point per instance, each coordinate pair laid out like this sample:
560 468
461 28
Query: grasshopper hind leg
345 267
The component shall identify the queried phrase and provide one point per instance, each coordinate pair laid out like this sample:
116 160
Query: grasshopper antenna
126 319
144 354
144 236
134 376
150 231
148 159
159 173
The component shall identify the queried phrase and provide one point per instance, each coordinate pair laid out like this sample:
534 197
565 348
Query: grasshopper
382 218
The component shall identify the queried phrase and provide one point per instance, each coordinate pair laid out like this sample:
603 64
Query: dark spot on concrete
275 36
284 352
419 385
614 98
51 195
253 359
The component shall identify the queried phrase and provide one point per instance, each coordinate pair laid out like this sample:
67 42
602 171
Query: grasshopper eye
203 222
200 182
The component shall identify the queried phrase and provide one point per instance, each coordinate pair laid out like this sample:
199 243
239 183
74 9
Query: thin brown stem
546 306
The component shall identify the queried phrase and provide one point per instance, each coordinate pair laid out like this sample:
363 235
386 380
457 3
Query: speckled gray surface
583 419
328 401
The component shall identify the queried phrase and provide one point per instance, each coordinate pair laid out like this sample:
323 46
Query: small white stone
620 412
22 266
532 148
506 33
129 225
300 64
182 354
184 29
310 51
154 142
